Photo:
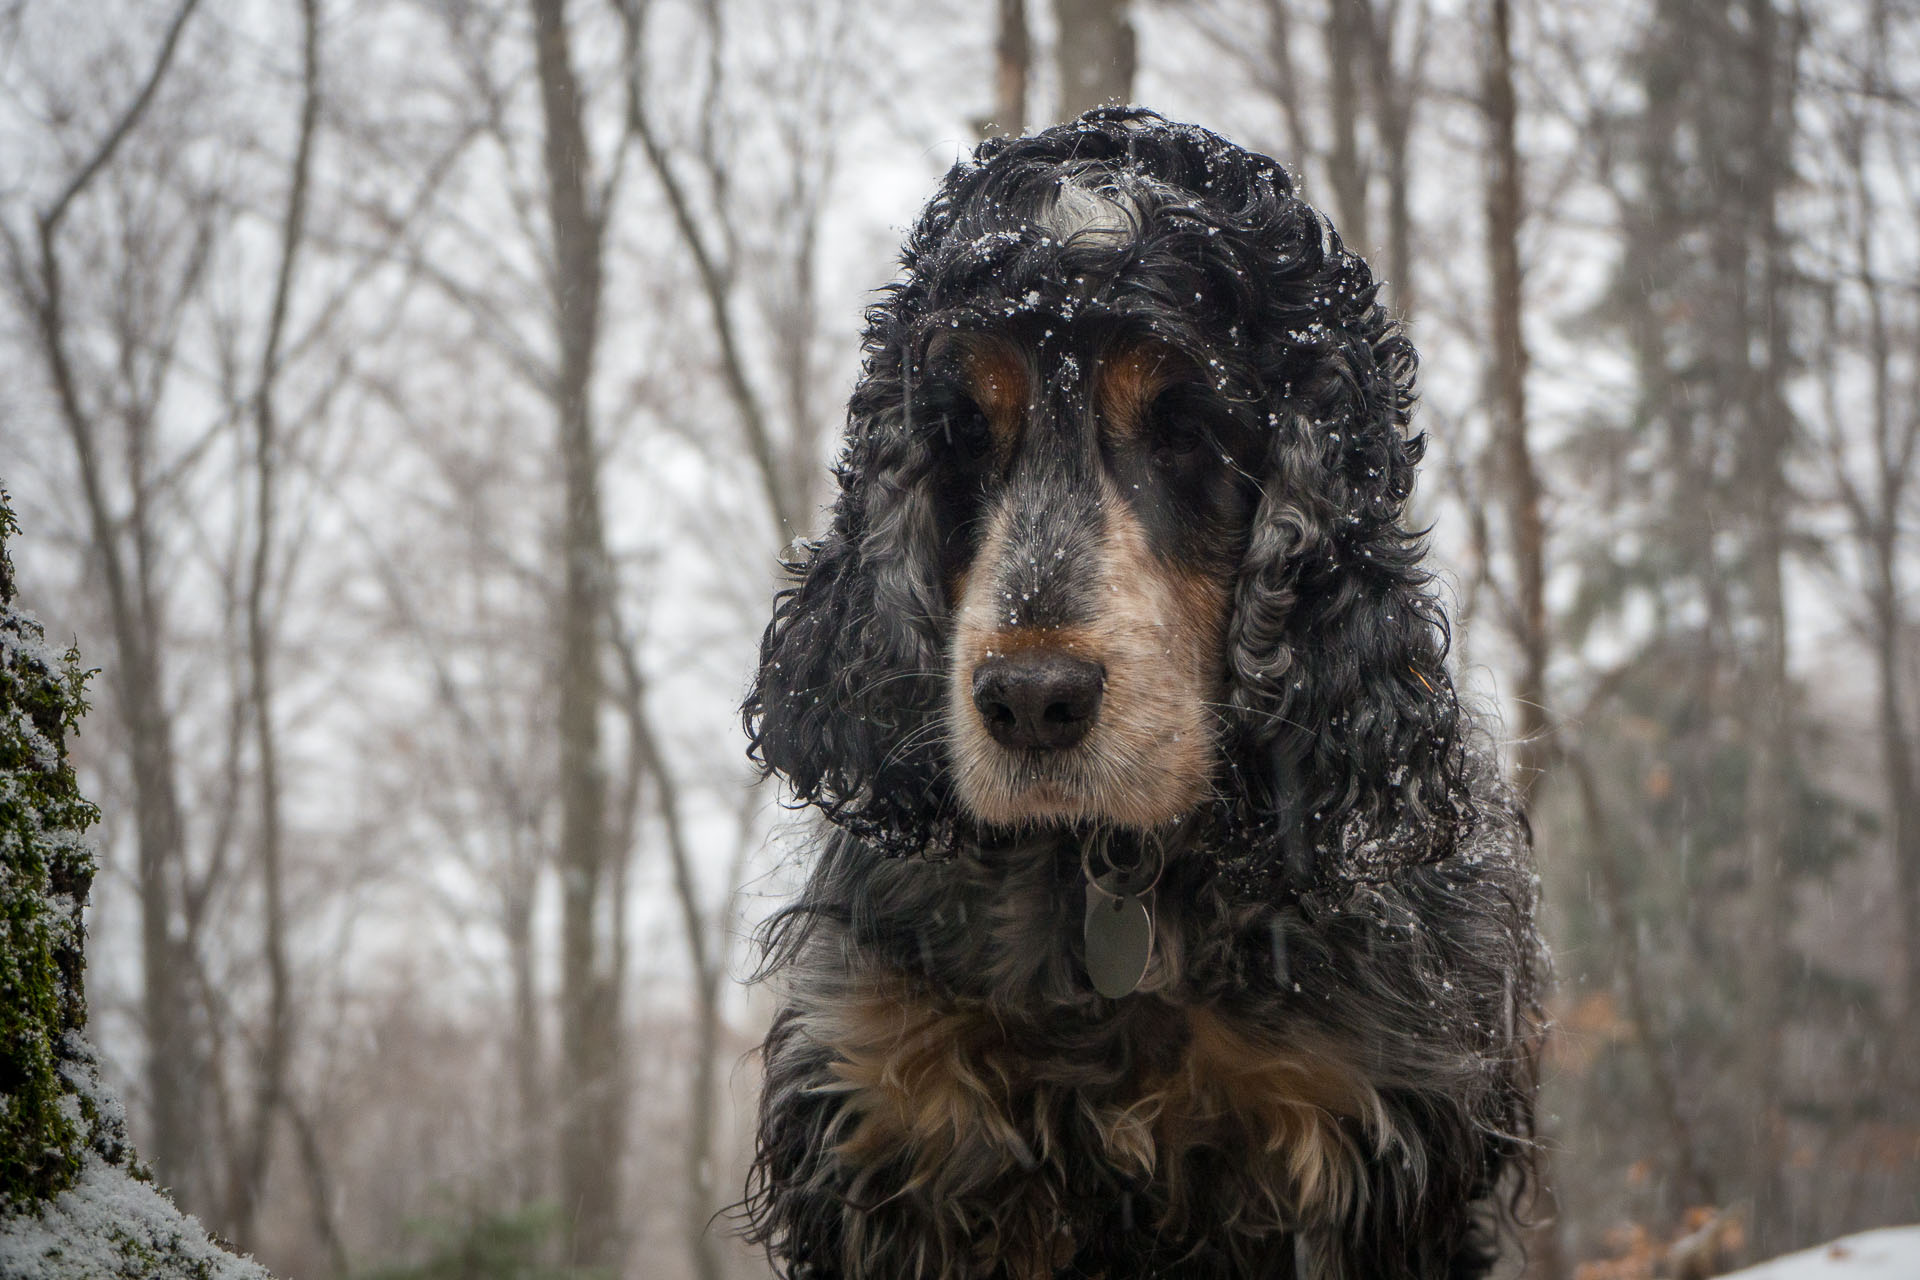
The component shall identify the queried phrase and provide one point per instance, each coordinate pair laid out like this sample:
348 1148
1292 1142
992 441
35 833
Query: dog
1170 918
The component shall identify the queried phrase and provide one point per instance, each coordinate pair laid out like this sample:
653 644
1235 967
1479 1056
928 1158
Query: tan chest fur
945 1089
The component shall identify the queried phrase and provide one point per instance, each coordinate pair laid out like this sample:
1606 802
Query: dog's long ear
1351 750
847 700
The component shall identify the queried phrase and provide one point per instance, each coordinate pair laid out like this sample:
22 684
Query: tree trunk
706 956
1877 525
173 1047
1508 375
1395 91
1520 484
1345 40
1012 63
1096 56
592 1125
532 1116
1903 797
249 1182
1769 722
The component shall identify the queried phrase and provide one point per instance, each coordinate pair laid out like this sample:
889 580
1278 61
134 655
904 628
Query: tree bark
1520 485
1769 775
1903 796
532 1117
1877 527
592 1124
1345 40
249 1182
1396 89
1012 63
706 957
1097 54
1508 375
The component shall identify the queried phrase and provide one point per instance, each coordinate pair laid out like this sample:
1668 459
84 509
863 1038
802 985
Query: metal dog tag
1119 932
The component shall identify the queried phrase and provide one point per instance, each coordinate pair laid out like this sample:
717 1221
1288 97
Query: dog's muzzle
1038 699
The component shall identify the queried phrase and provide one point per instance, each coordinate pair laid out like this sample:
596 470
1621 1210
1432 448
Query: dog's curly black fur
1127 371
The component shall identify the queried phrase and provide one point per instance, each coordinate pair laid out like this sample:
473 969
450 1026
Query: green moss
46 868
74 1202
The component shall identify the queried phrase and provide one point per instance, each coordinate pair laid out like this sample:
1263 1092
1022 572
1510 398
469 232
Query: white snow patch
1891 1253
110 1224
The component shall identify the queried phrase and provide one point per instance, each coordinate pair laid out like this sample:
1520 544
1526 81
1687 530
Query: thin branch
50 220
786 509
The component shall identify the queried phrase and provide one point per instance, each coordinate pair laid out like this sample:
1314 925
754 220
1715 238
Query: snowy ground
1892 1253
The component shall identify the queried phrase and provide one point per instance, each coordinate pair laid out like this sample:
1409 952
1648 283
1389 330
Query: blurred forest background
405 402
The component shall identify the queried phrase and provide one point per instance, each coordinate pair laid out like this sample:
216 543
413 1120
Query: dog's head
1120 534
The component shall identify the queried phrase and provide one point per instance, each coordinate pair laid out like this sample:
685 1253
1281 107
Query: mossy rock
74 1203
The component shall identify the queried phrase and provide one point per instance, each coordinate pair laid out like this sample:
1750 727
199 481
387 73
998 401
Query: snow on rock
112 1223
1892 1253
111 1226
75 1203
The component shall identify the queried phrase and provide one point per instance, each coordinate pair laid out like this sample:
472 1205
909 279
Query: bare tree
1873 479
782 434
124 548
783 468
592 1126
707 951
278 370
1348 115
270 1083
1012 65
1398 86
1345 41
1507 379
1520 485
1771 58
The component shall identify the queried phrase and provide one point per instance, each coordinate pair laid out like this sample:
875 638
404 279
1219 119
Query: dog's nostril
1039 699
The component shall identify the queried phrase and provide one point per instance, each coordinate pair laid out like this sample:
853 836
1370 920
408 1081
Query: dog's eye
959 422
964 427
1177 448
1176 429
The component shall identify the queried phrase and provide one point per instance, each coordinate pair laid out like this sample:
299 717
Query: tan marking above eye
1128 380
996 374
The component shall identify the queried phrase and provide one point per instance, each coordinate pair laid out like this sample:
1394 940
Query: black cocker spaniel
1171 920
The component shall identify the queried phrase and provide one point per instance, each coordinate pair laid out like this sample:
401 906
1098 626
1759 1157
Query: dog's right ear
847 701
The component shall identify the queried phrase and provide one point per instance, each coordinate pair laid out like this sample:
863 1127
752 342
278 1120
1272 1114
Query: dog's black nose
1040 699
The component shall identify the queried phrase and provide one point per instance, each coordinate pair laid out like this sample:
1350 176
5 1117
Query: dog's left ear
1350 728
846 703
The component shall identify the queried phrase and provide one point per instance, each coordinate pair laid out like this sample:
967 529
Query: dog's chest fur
1004 1081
